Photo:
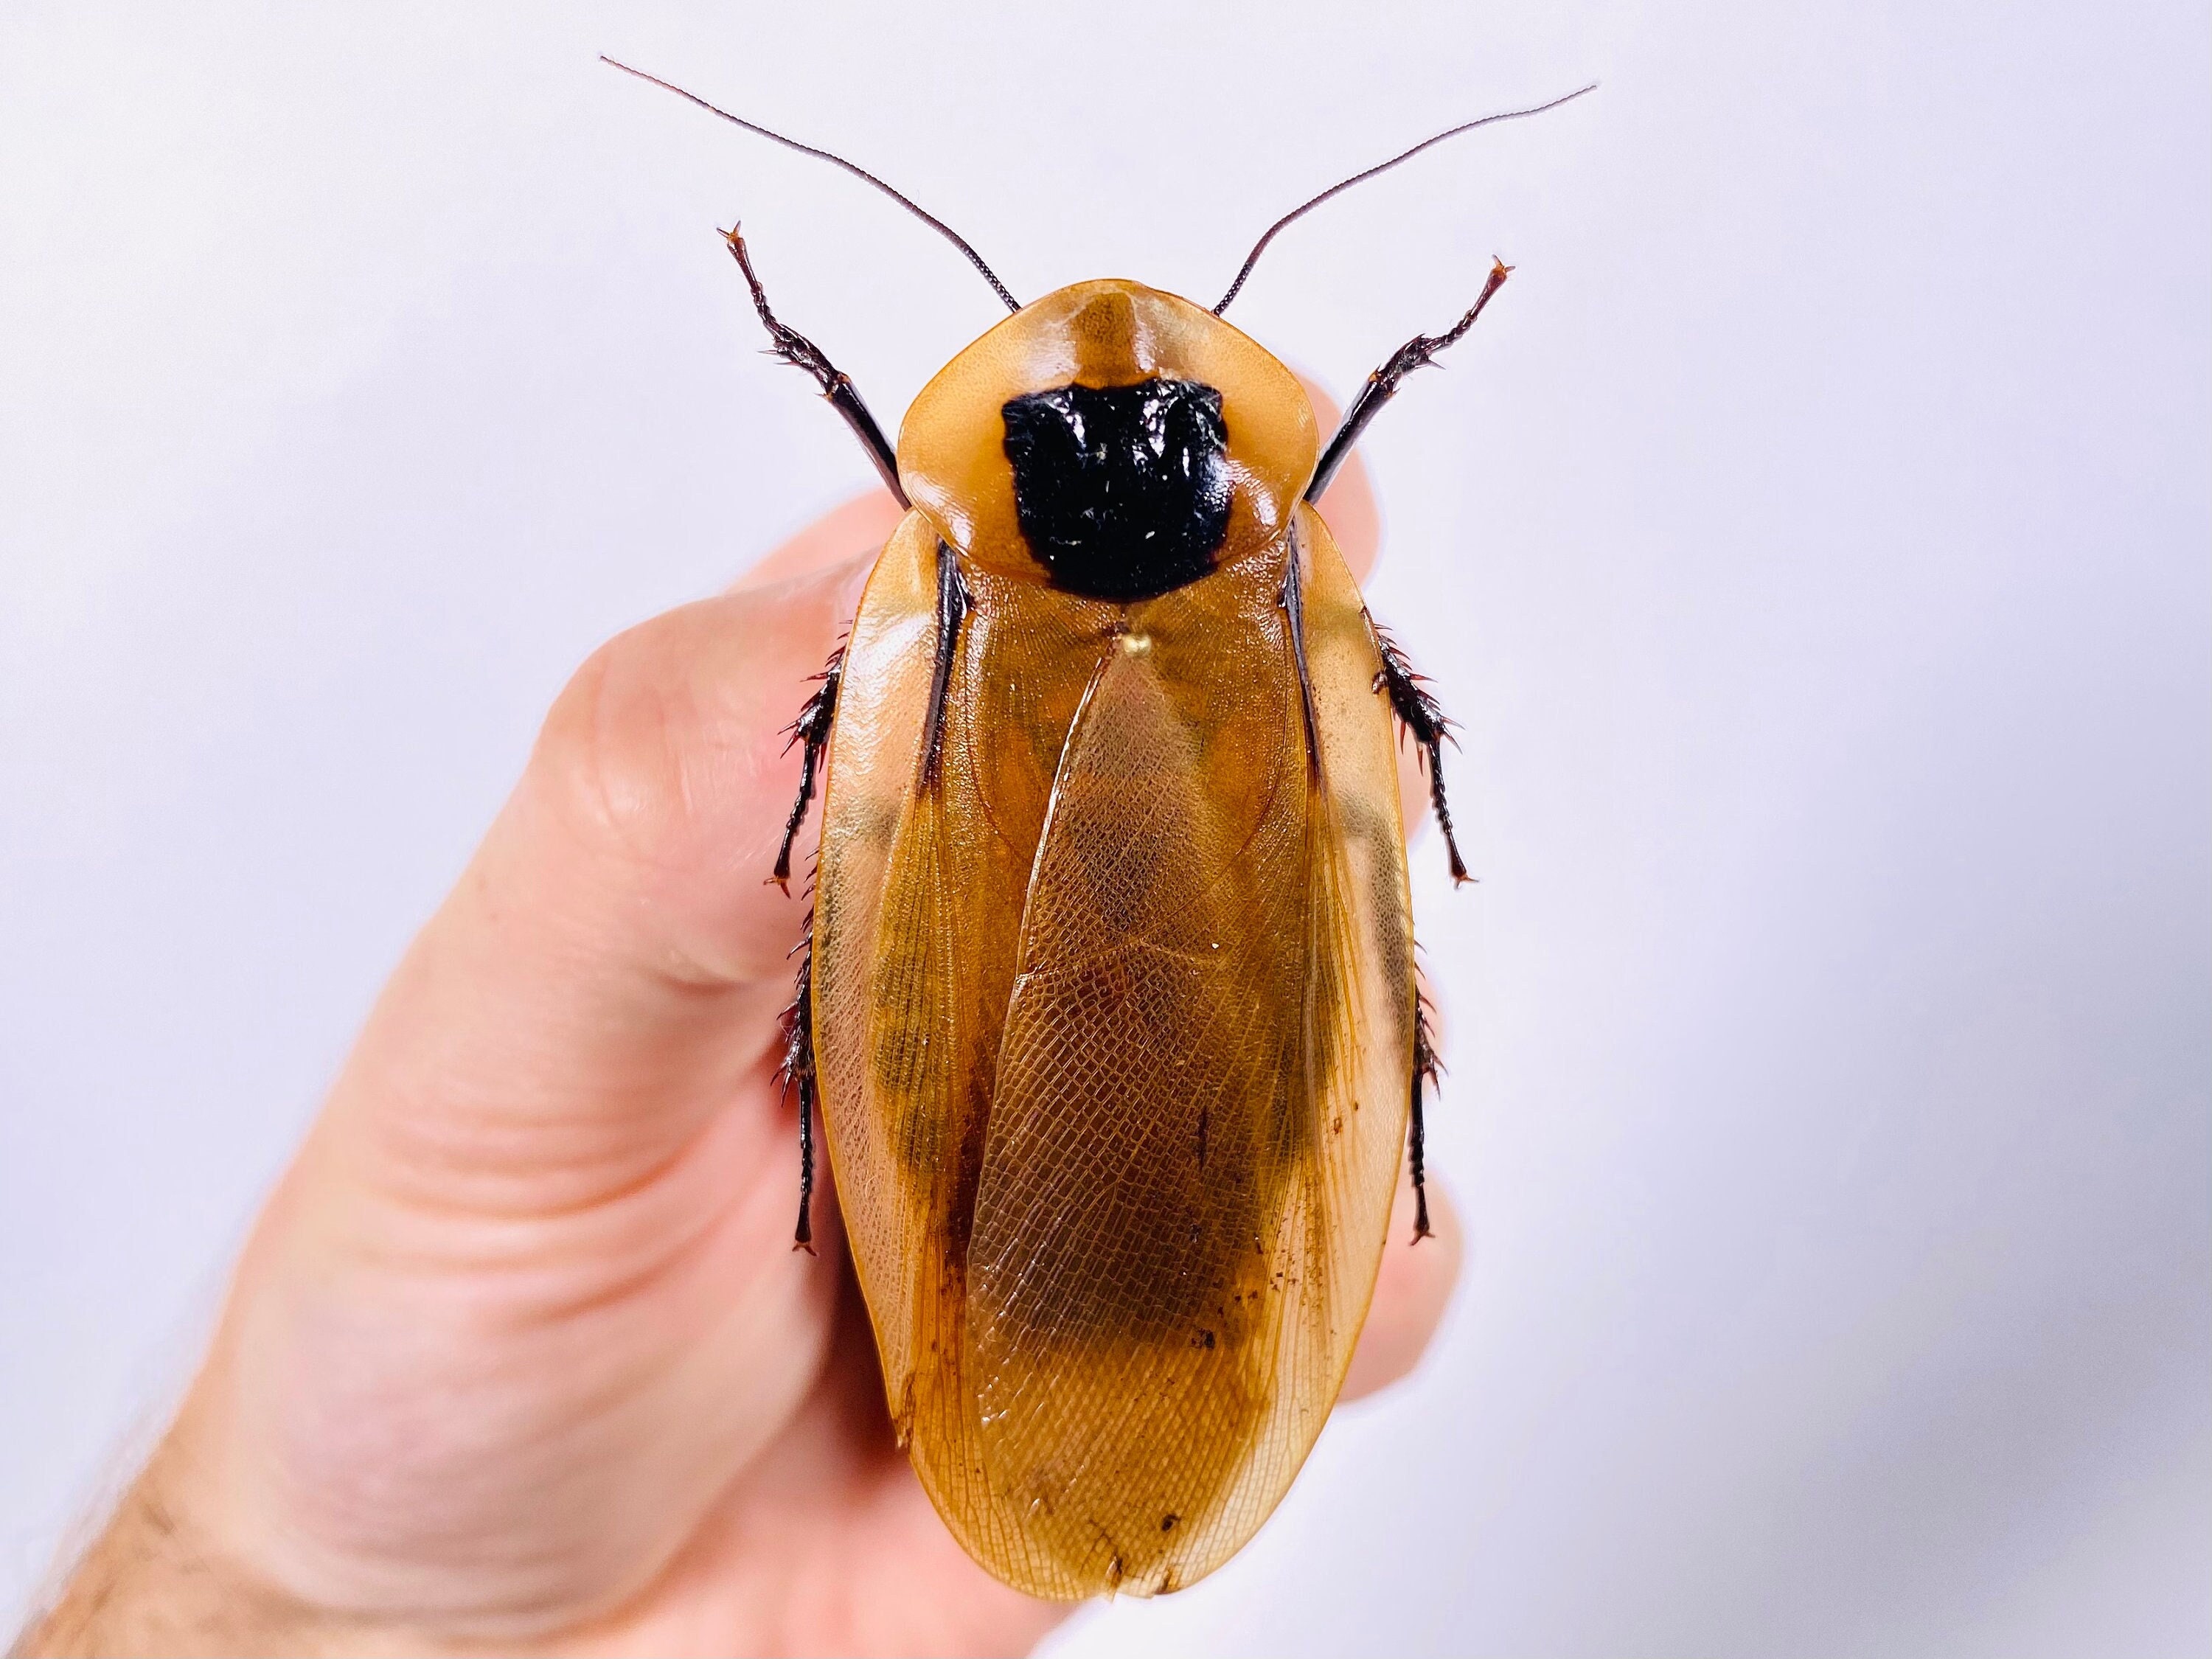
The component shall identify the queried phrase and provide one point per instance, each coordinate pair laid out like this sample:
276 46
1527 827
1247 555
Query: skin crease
518 1357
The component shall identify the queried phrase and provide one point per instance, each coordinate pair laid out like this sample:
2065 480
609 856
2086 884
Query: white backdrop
1813 541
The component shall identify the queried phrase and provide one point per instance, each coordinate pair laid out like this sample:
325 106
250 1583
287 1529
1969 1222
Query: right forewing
1200 1090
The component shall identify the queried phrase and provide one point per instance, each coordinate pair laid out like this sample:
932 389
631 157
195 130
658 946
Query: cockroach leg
1424 1070
792 347
1382 385
812 729
952 602
1417 712
1292 598
797 1073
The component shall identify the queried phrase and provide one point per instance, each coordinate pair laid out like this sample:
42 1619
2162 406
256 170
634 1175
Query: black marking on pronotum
1121 491
1382 385
1309 205
796 1074
1425 1066
792 347
835 160
812 729
951 611
1417 712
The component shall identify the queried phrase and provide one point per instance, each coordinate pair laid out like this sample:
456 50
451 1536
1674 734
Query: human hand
518 1355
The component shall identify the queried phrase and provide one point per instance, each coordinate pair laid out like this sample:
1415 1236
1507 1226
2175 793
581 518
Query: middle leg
1418 712
797 1073
1424 1072
812 729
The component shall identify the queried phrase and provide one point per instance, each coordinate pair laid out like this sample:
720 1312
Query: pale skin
518 1357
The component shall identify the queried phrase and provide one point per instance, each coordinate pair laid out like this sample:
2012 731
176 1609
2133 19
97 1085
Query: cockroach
1108 999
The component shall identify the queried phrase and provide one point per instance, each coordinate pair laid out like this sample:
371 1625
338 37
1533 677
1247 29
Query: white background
1811 540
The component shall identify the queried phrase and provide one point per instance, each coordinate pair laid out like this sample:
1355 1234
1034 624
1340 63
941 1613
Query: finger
606 975
1411 1292
1348 509
859 527
865 1548
527 1279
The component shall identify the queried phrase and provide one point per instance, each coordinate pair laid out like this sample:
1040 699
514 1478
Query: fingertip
607 975
665 766
855 529
1412 1291
1348 506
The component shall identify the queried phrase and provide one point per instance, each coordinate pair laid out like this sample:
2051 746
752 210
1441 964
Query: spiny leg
1416 711
815 718
797 1073
952 602
1424 1070
812 729
795 348
1382 385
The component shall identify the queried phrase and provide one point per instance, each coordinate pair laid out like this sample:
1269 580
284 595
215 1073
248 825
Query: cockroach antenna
860 172
1337 189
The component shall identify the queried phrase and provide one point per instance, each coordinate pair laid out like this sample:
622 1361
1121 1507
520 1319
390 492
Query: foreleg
812 728
1382 385
795 348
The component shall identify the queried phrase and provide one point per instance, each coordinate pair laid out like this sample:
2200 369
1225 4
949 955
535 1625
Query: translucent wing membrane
921 892
1118 1145
873 752
1127 1289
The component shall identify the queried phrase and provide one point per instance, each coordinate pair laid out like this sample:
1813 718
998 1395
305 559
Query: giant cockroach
1110 1009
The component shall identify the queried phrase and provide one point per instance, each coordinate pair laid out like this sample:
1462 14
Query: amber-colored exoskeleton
1110 1010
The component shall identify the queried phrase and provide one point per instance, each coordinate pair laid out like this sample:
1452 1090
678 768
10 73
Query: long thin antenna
1304 208
904 201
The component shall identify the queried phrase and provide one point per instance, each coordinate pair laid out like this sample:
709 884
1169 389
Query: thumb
606 974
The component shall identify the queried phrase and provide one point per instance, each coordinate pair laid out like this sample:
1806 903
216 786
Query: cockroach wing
1201 1090
882 700
918 910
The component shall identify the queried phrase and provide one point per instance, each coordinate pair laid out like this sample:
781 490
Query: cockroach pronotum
1108 1002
